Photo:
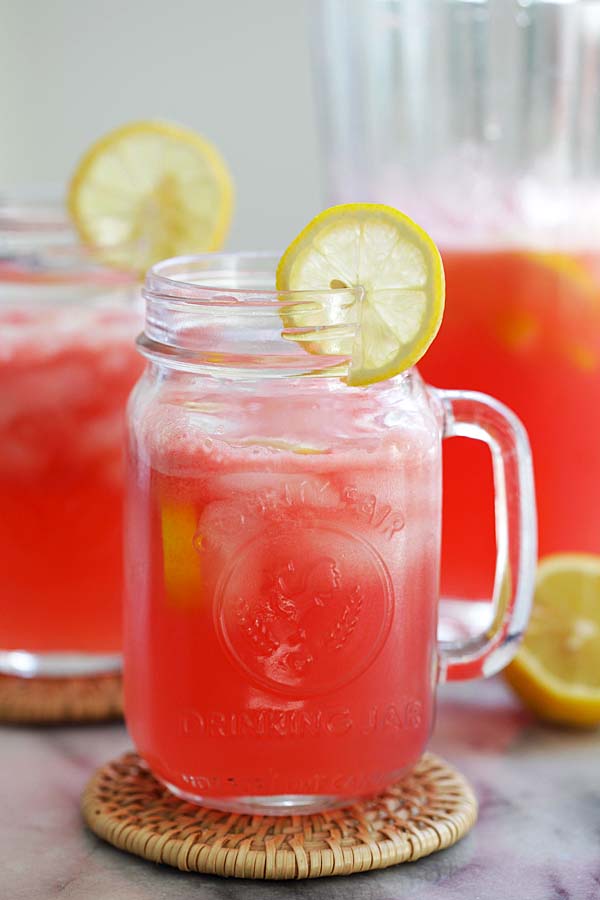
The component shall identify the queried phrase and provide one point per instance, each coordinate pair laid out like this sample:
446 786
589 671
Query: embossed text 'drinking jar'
283 544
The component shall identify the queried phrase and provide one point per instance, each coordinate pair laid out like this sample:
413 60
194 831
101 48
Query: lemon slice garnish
399 269
148 191
557 669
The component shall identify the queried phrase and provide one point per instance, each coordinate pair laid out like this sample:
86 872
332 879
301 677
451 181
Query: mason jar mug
283 547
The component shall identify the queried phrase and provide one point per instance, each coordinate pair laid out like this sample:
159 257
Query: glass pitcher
482 120
283 547
67 365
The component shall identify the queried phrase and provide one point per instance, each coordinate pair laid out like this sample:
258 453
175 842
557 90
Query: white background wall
238 71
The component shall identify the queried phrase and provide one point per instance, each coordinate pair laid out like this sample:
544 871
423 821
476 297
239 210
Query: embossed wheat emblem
347 622
291 621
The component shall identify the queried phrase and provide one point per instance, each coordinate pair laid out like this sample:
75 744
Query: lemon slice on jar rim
399 269
148 191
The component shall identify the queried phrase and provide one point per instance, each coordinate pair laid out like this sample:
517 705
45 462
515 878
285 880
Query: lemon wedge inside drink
181 562
397 266
557 669
150 190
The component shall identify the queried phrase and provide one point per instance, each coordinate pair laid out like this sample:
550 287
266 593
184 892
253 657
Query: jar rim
211 314
161 283
222 311
41 216
40 246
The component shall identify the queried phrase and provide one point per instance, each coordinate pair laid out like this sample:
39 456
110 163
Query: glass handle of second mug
473 415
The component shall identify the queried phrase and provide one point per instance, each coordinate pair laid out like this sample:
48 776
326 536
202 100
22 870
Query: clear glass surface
480 119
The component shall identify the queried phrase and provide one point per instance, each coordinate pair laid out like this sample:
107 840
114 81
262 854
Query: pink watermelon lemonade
282 594
65 372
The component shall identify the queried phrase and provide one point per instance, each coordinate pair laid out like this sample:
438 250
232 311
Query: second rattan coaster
429 809
92 698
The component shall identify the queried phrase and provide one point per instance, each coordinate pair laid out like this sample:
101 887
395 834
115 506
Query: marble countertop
537 838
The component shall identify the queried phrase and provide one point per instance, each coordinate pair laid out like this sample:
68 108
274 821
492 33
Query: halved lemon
556 671
397 265
150 190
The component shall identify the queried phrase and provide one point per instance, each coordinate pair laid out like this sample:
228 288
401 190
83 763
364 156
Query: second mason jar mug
67 366
283 547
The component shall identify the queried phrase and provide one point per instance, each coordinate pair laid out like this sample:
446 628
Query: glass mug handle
474 415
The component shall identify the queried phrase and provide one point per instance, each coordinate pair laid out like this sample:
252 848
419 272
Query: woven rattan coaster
91 698
430 809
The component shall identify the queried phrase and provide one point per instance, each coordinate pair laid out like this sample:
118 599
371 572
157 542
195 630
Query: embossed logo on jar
306 610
